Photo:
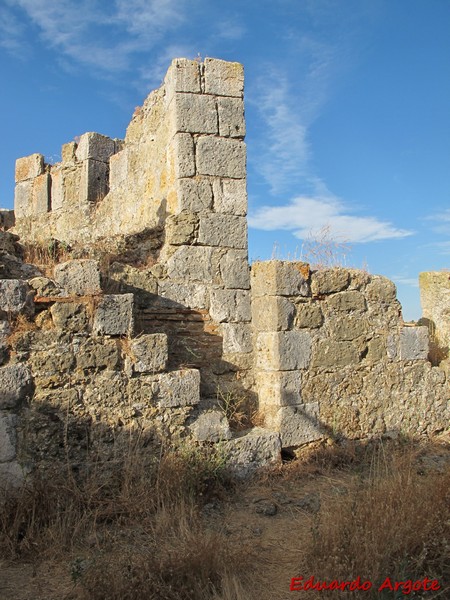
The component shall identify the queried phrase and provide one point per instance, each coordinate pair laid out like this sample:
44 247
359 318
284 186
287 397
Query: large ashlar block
195 113
68 153
233 306
16 385
237 338
23 199
194 194
183 76
149 353
414 343
118 169
78 277
190 295
283 350
329 281
16 297
181 228
114 315
231 117
279 388
29 167
309 316
280 278
221 157
230 196
297 425
224 78
191 263
178 388
330 354
272 313
435 300
41 194
252 450
95 146
235 270
183 146
8 438
227 231
94 181
347 301
210 426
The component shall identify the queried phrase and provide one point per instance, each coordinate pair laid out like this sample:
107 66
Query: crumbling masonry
156 323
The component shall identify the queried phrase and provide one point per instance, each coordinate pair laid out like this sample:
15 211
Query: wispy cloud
10 32
304 216
440 221
409 281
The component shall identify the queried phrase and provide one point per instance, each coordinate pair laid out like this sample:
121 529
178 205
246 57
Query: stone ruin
154 323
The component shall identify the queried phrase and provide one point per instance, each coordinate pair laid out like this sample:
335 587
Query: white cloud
410 281
308 215
442 220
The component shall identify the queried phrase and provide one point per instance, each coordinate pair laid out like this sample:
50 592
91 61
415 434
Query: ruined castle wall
435 299
334 357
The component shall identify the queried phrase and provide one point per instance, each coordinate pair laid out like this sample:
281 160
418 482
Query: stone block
194 195
230 305
181 228
230 196
349 328
191 263
70 316
414 343
252 450
280 278
118 169
223 78
91 354
178 388
114 315
435 300
29 167
221 157
183 76
381 289
331 353
283 350
183 145
141 281
231 117
5 330
16 297
65 187
347 301
272 313
237 338
12 477
16 385
210 426
78 277
309 316
278 388
195 113
95 146
227 231
94 181
8 438
329 281
190 295
23 199
149 353
235 270
68 153
297 424
40 202
43 286
7 218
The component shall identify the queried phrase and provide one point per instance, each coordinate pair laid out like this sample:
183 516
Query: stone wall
435 299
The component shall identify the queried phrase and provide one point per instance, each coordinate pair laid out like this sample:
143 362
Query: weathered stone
279 388
272 313
114 315
230 196
210 426
8 438
7 218
78 277
45 363
414 343
435 300
283 350
94 181
126 276
195 113
183 76
347 301
150 353
194 195
349 328
43 286
230 305
231 117
184 152
191 295
329 281
191 263
68 153
309 316
297 424
70 316
178 388
330 353
227 231
41 194
234 270
252 450
181 229
380 289
237 338
223 78
12 476
29 167
96 355
118 169
16 297
377 350
280 278
95 146
22 199
5 330
221 157
16 385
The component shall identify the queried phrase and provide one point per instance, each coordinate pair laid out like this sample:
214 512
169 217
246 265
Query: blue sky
347 108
